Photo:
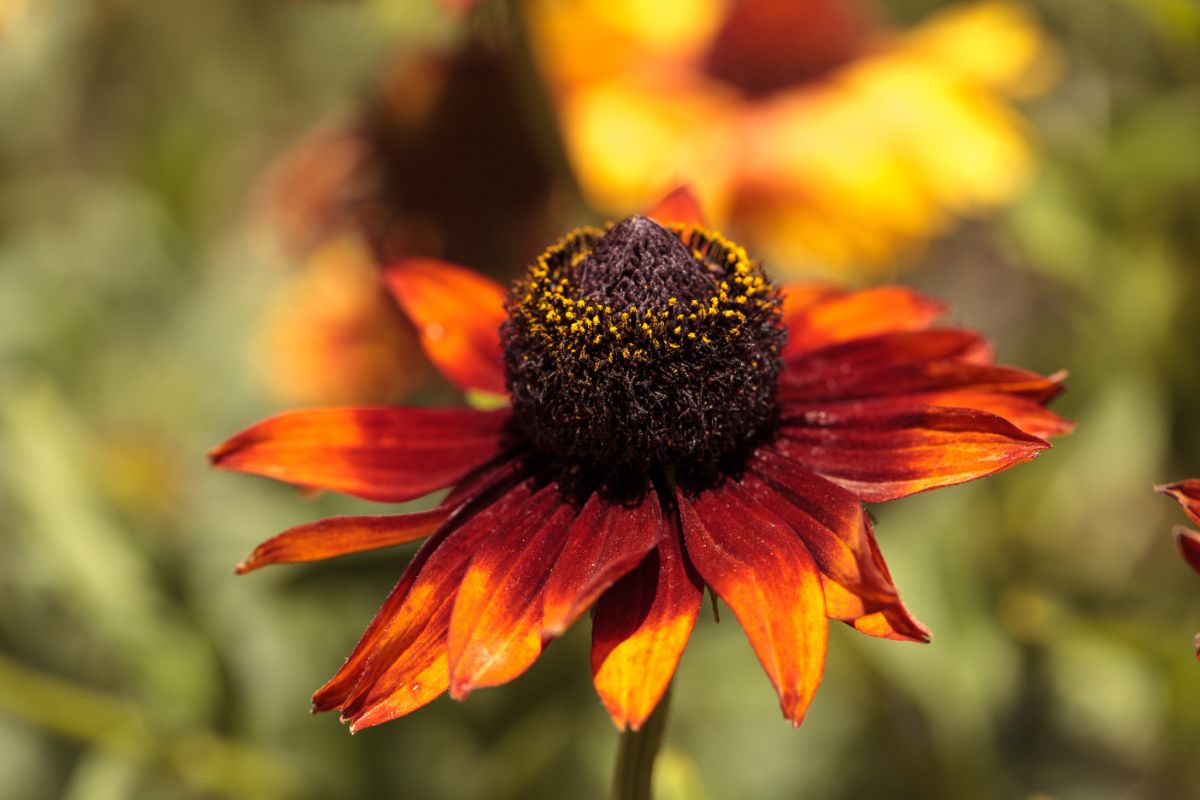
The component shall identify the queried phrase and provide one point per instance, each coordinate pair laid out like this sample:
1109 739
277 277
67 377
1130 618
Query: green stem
636 752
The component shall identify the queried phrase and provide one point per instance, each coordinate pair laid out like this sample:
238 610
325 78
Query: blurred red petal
1187 493
458 313
385 453
764 46
886 455
640 630
843 316
605 542
680 206
496 627
764 572
337 536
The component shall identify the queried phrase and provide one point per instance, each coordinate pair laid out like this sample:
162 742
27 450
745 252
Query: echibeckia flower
675 420
1188 494
833 140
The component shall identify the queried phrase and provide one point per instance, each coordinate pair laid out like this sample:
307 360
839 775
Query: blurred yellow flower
831 141
10 10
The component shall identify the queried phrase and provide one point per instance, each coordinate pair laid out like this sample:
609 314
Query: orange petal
841 317
680 206
458 313
798 298
641 627
884 456
496 626
383 453
410 666
766 575
415 678
605 542
1187 493
438 565
352 680
339 536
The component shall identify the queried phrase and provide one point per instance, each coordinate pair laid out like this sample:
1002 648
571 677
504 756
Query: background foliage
136 270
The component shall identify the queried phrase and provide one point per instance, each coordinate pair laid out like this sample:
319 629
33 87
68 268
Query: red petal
605 542
766 575
1026 414
680 206
384 453
446 554
495 630
1189 545
339 536
883 456
829 520
641 627
458 313
834 384
1187 493
837 532
904 347
841 317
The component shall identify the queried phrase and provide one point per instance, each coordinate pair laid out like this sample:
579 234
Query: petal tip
680 206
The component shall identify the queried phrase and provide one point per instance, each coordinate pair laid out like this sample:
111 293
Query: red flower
674 421
1188 494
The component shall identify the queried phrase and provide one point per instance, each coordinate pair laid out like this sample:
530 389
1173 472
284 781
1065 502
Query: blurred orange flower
831 141
1188 494
438 161
334 334
674 420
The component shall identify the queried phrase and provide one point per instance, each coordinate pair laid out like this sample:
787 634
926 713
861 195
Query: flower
335 335
1188 494
675 421
436 161
832 141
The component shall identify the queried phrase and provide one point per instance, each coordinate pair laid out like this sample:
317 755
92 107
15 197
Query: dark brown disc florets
643 346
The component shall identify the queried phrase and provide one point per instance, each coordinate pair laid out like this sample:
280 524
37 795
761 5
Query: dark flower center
643 347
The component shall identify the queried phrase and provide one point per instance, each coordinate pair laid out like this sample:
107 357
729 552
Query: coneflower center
643 346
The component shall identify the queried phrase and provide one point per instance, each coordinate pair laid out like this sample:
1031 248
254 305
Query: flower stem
636 752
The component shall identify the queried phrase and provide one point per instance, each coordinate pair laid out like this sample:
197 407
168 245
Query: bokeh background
193 198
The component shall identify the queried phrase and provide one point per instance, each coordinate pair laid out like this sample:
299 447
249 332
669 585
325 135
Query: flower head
676 421
833 140
1188 494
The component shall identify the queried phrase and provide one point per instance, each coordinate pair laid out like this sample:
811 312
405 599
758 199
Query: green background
134 275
